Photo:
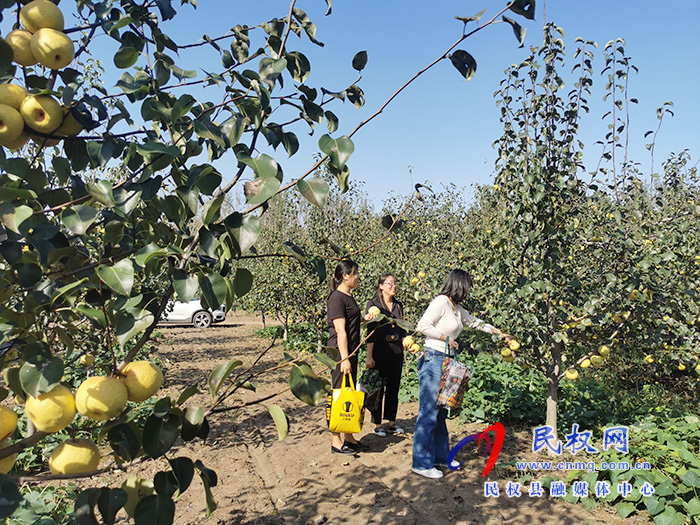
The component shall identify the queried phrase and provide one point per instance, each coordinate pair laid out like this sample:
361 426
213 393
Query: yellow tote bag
345 409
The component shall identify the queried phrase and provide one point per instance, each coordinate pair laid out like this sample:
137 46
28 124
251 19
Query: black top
341 305
387 334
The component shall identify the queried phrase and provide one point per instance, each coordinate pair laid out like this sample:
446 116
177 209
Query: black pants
390 366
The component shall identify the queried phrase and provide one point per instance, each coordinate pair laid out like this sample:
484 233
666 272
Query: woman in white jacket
441 323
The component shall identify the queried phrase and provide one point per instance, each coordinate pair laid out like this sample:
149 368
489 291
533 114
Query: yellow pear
53 49
505 352
39 14
374 310
69 127
87 359
7 462
585 363
572 374
12 95
142 379
509 358
74 457
8 422
408 341
41 112
43 142
20 42
415 348
604 350
11 124
596 360
514 344
53 410
101 398
17 143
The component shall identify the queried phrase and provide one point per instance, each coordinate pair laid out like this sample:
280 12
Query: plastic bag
345 408
453 383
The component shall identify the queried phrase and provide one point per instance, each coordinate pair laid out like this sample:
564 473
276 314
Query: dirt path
298 481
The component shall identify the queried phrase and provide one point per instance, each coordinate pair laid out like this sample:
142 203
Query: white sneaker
431 473
453 465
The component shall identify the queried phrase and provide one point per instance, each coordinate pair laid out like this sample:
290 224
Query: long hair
457 285
346 266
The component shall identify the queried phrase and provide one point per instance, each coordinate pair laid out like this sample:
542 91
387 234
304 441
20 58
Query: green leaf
325 360
464 63
109 503
185 285
242 282
270 69
186 394
10 497
124 441
331 121
234 127
281 421
475 18
314 190
264 166
220 374
78 218
183 470
669 517
160 434
294 250
244 229
624 508
260 190
339 150
209 480
85 505
692 479
119 277
517 30
40 374
359 61
154 510
126 57
63 290
298 66
693 507
524 8
654 505
131 322
306 385
14 217
214 290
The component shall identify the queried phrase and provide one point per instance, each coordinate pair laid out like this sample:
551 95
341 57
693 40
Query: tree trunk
262 315
553 387
285 324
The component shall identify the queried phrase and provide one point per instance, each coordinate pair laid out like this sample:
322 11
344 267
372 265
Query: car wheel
201 319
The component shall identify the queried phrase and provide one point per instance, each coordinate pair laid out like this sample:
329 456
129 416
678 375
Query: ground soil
298 481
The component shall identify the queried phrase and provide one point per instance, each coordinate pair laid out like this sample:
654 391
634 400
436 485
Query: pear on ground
21 43
101 398
74 457
11 124
12 95
42 113
8 422
8 462
39 14
142 379
52 411
53 49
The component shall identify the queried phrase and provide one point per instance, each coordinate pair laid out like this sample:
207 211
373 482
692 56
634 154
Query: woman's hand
369 316
370 362
452 343
345 367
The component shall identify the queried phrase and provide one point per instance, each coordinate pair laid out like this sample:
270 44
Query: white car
194 313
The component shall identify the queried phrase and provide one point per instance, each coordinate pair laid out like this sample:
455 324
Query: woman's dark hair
382 279
457 285
346 266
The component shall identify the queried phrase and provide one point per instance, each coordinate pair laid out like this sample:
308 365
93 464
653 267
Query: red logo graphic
500 434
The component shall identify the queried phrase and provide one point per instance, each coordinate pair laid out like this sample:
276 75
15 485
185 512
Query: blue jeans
431 443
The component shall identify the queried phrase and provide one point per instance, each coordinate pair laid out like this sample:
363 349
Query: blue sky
443 126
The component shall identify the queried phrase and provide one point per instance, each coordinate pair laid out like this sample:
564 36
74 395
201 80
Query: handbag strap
344 386
448 350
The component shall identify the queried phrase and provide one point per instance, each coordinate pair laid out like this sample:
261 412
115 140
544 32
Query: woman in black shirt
344 320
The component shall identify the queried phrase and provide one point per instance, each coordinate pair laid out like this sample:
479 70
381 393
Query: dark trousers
390 366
